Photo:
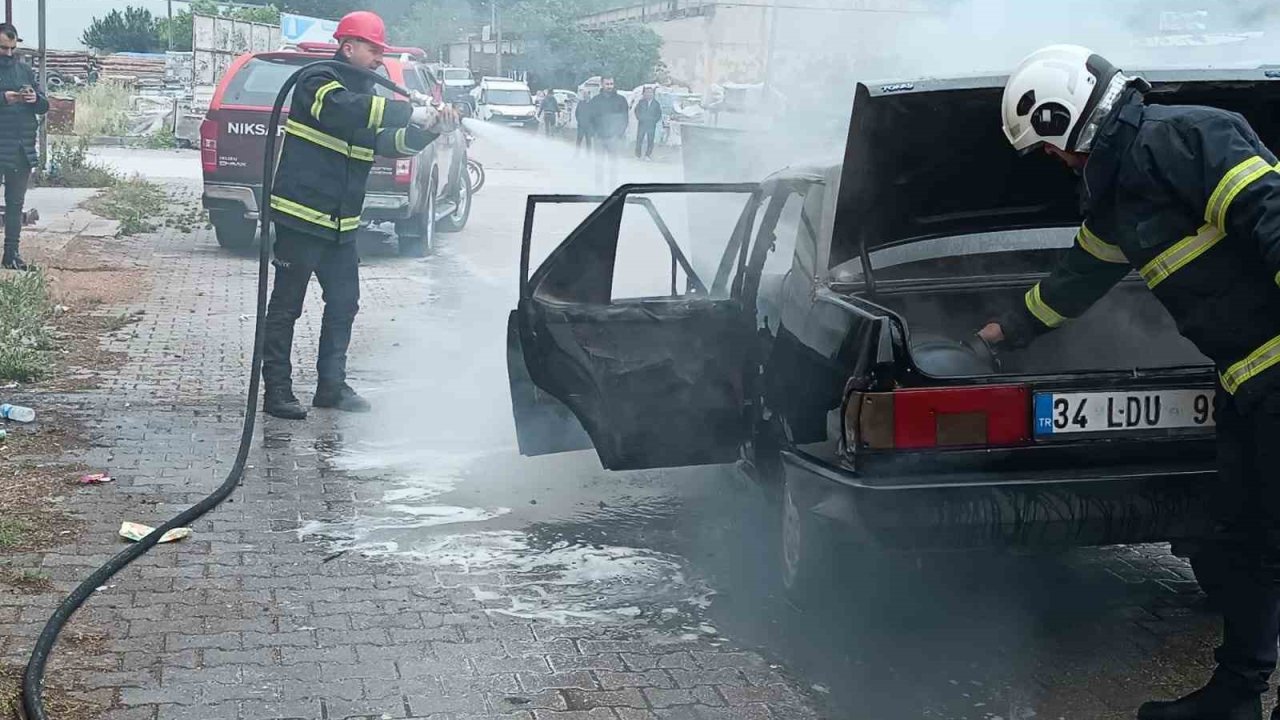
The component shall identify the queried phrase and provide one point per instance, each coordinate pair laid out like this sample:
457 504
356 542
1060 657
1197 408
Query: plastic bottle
17 413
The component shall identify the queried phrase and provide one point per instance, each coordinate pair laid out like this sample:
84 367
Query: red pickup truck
420 195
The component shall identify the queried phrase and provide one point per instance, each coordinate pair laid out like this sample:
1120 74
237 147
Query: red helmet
362 25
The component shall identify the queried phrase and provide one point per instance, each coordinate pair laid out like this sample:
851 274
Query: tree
433 23
565 55
133 30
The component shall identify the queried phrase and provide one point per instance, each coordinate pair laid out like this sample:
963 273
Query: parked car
830 349
420 195
505 101
458 84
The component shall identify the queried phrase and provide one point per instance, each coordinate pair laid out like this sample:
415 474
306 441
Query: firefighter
336 125
1190 197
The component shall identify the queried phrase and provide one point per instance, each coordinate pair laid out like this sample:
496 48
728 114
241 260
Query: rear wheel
234 231
457 220
416 236
475 171
808 552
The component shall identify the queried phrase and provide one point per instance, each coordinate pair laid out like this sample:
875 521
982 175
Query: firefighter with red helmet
335 128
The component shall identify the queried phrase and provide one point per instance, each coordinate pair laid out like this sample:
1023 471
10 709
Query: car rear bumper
1070 508
242 200
235 199
381 207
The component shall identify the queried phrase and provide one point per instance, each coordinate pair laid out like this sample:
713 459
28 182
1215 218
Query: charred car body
845 376
420 195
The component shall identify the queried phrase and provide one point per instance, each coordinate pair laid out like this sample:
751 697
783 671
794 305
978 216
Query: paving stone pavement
250 619
244 620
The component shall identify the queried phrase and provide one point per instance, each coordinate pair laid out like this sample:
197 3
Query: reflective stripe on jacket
1190 198
336 126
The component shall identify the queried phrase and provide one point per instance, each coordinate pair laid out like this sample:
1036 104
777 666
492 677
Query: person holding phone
21 104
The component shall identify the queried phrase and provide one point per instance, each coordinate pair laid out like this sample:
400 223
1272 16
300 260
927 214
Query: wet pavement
410 563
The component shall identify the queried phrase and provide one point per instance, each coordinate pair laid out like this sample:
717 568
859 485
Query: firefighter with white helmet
1189 196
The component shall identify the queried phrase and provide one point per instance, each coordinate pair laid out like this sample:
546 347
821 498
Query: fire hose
33 675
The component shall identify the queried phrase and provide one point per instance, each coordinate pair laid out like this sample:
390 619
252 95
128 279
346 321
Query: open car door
635 334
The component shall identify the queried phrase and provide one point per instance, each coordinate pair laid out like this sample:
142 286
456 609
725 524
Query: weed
162 139
11 531
102 109
70 166
24 337
134 202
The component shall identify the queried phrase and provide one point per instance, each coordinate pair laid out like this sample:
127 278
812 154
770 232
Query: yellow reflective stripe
337 145
1099 248
1184 251
315 217
1278 278
1045 314
1232 183
324 90
1257 361
401 146
377 106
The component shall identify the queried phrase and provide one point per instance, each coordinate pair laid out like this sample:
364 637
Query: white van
505 101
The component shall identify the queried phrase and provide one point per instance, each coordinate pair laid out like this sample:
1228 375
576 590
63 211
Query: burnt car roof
928 158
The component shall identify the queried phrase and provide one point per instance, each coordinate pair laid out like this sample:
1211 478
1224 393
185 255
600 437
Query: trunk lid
928 159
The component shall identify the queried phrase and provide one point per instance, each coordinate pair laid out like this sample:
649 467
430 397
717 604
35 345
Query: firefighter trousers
1244 546
298 255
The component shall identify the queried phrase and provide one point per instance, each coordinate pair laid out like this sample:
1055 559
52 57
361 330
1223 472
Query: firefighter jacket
1190 198
336 126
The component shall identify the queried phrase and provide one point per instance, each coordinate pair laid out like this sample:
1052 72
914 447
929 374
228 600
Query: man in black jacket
609 119
336 125
21 102
648 115
550 110
582 115
1190 198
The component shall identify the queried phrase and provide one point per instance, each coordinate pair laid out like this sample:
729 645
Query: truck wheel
808 557
416 236
233 231
457 220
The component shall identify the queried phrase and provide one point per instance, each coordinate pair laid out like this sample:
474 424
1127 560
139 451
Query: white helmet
1059 95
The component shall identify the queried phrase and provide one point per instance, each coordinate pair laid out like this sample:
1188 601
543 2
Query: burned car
827 344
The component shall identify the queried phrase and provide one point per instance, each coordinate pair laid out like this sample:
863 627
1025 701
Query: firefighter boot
282 404
339 396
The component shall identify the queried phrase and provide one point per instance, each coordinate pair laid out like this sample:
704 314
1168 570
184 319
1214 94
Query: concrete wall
726 46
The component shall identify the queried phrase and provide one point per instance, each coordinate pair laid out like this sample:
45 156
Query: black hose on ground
33 675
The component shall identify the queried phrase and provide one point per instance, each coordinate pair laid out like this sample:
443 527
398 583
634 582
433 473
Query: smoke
821 50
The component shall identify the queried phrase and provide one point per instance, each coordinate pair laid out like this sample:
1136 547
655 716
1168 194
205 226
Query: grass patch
135 202
26 580
25 308
102 109
12 531
162 139
70 166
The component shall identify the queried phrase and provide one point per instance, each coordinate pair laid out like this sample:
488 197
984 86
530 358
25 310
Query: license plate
1122 412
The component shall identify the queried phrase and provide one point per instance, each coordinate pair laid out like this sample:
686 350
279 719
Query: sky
67 19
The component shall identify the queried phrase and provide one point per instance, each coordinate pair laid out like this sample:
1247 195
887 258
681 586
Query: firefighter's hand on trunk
418 98
992 334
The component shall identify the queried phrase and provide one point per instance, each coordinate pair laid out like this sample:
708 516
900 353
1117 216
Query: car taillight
915 419
404 171
209 145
